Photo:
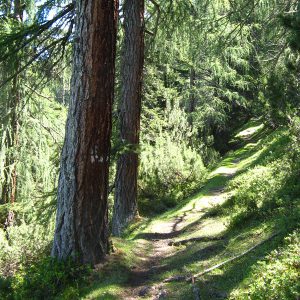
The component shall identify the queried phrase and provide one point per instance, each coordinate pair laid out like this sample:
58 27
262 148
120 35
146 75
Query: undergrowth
270 185
277 276
45 278
170 168
264 194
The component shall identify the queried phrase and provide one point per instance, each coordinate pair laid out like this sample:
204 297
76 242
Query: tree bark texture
82 218
125 207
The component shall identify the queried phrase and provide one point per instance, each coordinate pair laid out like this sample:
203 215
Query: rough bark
125 207
81 221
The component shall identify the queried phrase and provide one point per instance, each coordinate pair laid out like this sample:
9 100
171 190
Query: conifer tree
82 215
125 205
9 184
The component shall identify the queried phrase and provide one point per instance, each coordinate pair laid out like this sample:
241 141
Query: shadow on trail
174 233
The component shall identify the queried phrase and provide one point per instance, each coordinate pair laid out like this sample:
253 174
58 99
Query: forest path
167 244
162 237
157 254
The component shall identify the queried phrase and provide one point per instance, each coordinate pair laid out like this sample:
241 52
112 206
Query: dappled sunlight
149 150
205 228
161 227
248 132
225 171
112 292
195 236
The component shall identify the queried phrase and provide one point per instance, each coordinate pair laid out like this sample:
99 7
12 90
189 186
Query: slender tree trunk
82 221
14 138
192 106
125 207
9 186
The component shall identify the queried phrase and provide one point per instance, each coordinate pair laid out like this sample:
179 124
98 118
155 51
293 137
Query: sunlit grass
204 214
248 132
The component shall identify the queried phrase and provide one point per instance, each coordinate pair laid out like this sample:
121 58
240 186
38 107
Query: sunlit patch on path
161 235
187 235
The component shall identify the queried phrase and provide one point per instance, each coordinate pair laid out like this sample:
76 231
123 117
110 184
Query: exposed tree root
194 277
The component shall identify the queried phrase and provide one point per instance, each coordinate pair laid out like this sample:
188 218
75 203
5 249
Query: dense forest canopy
113 113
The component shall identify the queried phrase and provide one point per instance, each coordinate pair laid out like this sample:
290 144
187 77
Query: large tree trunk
81 221
125 207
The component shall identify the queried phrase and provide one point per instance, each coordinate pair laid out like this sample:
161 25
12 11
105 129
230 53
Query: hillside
149 149
249 201
236 238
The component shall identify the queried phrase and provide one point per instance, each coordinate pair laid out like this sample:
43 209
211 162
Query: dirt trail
161 238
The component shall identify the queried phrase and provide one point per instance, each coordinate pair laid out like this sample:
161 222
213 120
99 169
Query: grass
206 214
222 213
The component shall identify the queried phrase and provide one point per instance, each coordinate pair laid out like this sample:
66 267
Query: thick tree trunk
125 208
81 221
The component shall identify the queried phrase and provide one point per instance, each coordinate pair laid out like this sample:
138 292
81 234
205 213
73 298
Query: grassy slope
206 214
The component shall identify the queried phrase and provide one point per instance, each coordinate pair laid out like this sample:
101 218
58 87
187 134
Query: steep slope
237 238
235 221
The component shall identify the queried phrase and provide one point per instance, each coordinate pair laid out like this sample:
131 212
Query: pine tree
82 216
125 206
9 185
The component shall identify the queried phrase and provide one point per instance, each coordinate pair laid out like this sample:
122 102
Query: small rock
162 295
144 291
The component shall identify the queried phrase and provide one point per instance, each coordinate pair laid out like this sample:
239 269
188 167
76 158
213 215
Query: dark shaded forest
149 149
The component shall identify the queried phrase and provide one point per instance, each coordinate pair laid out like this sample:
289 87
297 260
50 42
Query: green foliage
281 91
244 63
256 190
277 276
26 244
271 185
45 279
170 169
45 126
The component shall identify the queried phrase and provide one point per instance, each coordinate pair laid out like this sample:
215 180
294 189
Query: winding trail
162 235
188 240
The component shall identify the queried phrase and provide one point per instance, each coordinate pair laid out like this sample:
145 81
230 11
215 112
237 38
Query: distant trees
31 46
9 186
82 216
125 205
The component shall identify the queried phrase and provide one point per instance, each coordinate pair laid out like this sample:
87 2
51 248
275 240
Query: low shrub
169 171
276 277
45 279
27 243
272 184
171 167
